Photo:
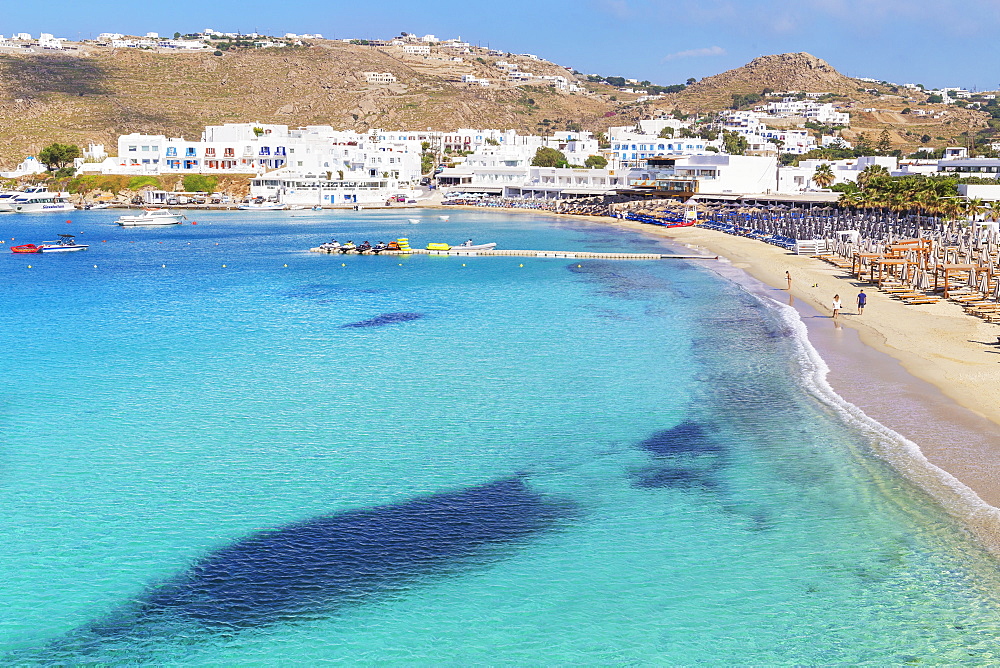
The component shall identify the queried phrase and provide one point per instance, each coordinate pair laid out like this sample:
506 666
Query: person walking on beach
788 277
862 300
836 306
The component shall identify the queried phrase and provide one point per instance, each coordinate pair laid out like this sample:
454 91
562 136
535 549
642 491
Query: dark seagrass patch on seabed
685 456
320 565
384 319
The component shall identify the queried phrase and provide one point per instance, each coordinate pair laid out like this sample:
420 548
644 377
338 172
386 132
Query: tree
426 163
882 146
596 162
862 145
975 207
691 80
824 176
549 157
666 133
870 175
59 156
734 143
492 142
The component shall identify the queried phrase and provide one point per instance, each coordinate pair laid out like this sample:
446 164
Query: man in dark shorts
862 300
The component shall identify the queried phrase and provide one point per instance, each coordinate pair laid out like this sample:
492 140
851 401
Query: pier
577 255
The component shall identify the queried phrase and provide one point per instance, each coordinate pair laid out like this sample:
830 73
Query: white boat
66 244
414 220
444 218
152 217
7 198
101 205
40 200
261 206
469 246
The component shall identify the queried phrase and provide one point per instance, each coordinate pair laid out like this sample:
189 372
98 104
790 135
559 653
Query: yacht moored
152 217
41 200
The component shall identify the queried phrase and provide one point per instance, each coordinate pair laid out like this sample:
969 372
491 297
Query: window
132 148
189 151
209 152
171 151
145 148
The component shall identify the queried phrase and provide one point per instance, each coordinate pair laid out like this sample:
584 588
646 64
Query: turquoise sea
219 449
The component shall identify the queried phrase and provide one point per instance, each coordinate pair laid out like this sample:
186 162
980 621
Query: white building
708 174
243 148
381 78
29 165
629 150
417 49
297 187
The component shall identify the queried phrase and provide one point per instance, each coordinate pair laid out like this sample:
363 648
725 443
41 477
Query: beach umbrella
984 284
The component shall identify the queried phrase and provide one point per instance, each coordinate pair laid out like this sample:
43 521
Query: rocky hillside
46 98
781 72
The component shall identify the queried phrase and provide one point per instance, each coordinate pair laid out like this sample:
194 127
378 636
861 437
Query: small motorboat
152 217
444 218
469 246
26 248
66 244
414 220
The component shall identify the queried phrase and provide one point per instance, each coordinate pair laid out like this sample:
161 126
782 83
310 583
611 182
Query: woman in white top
836 305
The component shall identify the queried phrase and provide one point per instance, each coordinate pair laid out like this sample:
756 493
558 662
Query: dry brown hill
104 93
70 99
781 72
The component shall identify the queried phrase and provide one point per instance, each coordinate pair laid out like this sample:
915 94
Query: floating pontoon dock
578 255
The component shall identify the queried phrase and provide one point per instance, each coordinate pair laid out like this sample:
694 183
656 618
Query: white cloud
696 53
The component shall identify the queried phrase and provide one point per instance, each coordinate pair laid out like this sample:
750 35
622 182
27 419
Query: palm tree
851 200
824 176
993 210
870 174
975 207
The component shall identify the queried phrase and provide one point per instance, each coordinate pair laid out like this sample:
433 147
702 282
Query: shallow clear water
562 462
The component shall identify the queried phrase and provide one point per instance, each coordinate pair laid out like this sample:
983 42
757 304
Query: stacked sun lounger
665 219
729 228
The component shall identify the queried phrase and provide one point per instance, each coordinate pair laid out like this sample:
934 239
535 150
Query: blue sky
937 43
